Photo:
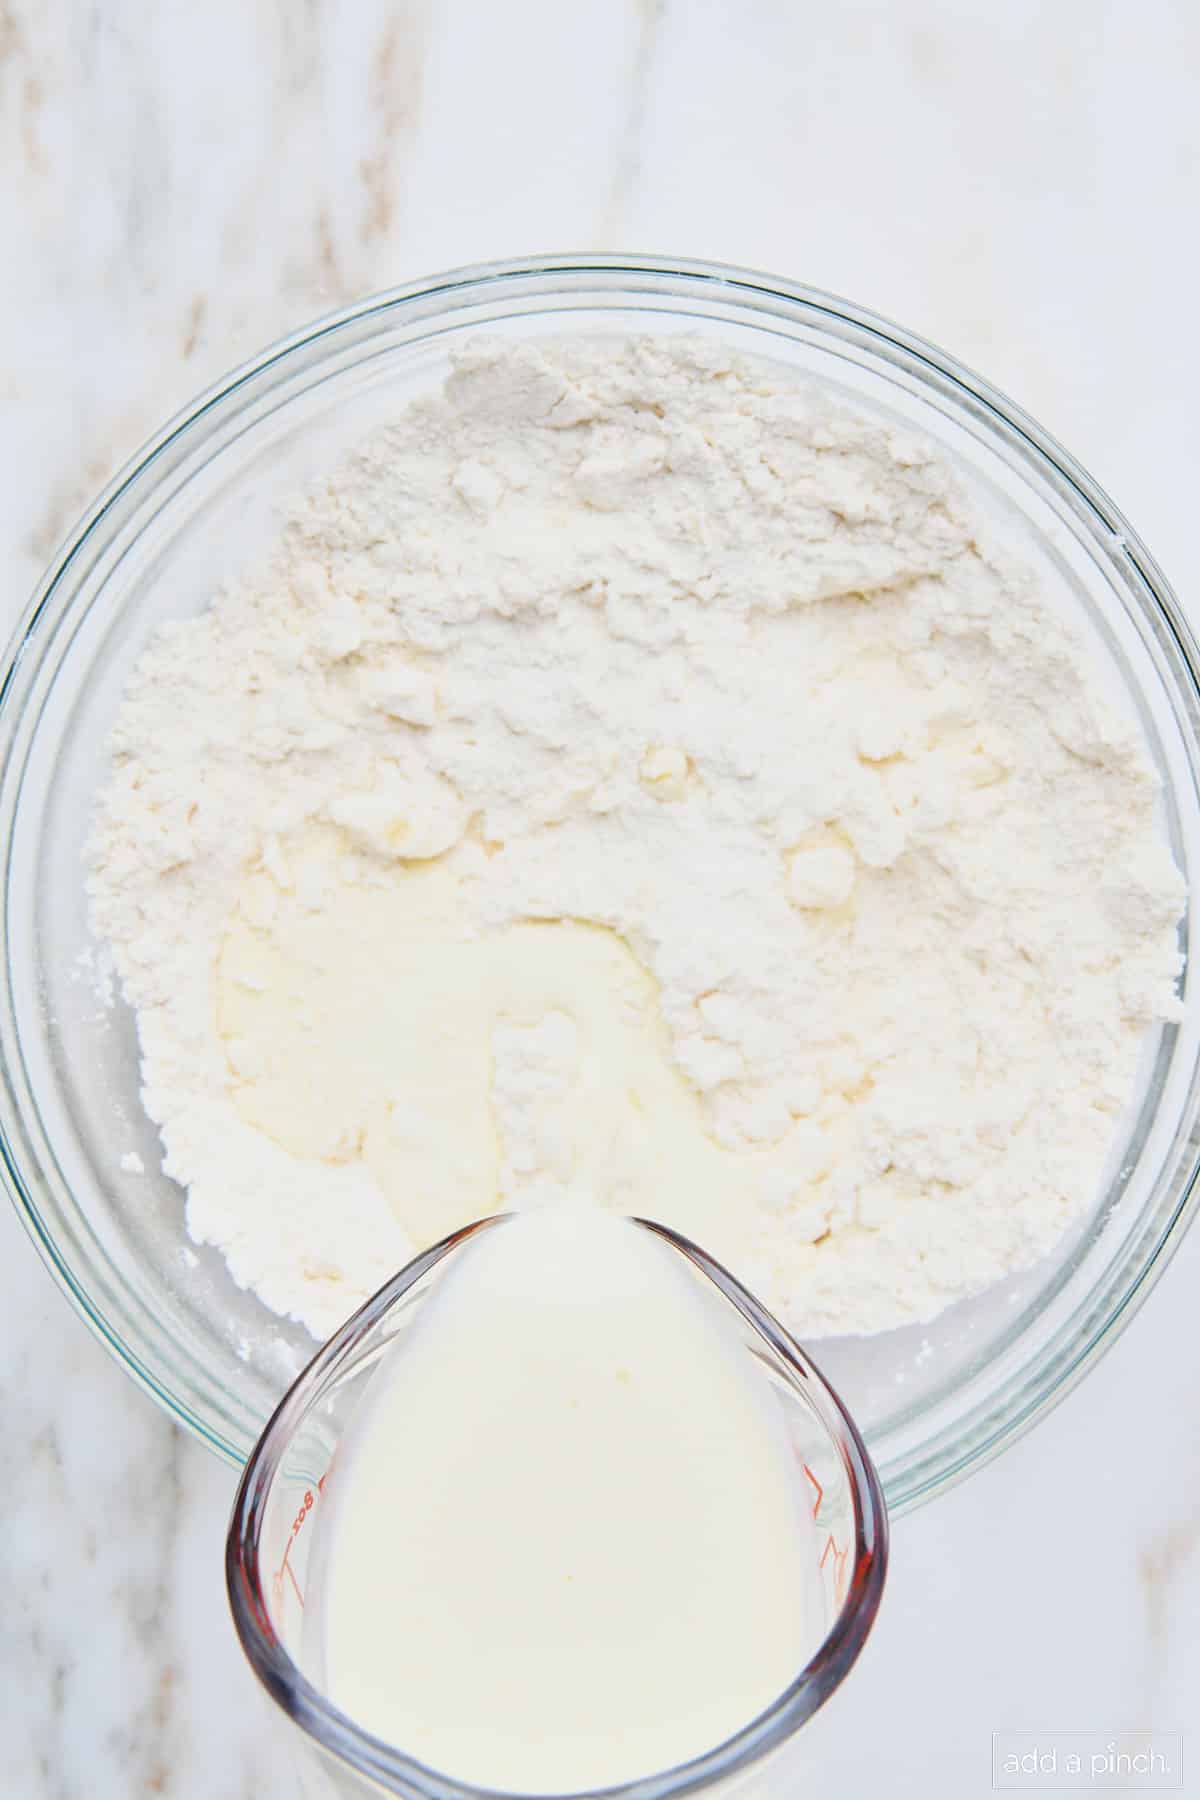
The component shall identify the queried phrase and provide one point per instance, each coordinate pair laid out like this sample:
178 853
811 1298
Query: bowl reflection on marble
933 1401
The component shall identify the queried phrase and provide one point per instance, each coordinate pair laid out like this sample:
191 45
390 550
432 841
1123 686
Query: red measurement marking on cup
817 1485
285 1570
839 1564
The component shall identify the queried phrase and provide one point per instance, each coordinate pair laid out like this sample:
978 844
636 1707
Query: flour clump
634 771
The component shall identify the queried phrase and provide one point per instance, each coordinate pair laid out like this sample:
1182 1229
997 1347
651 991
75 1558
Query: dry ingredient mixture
632 773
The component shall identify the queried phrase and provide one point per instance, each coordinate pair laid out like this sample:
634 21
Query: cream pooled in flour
633 773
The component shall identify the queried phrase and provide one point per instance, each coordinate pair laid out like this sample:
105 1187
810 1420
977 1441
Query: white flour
639 636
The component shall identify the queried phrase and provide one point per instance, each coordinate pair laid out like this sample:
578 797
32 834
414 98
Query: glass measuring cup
270 1541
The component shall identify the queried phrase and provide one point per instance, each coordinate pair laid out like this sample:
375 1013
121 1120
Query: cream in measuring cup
564 1542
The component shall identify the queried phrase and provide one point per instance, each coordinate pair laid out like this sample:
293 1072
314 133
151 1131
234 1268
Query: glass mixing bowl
933 1402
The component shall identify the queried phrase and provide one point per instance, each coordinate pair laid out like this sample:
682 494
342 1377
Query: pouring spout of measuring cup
274 1552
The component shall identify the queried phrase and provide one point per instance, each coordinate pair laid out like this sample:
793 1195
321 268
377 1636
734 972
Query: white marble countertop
1020 184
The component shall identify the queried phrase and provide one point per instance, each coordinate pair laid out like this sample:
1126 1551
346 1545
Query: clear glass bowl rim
987 1429
378 1761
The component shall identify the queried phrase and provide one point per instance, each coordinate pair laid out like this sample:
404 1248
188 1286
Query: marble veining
181 185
